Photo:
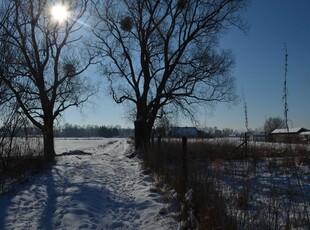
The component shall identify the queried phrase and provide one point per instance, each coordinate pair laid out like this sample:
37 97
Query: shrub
18 159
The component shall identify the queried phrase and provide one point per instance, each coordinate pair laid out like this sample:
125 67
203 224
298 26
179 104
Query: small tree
273 123
39 61
163 126
161 55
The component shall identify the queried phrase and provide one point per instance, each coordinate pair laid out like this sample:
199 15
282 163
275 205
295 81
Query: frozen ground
100 190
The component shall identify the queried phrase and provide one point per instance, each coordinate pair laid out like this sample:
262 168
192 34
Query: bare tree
163 55
163 125
40 64
285 90
273 123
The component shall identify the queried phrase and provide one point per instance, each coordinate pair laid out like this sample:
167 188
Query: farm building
305 136
257 137
287 135
184 132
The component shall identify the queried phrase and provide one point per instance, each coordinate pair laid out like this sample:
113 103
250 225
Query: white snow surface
104 190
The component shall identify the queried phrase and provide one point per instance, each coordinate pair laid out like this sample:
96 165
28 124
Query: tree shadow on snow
46 220
5 203
76 205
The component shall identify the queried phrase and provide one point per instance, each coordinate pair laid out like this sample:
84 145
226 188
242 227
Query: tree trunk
48 140
142 134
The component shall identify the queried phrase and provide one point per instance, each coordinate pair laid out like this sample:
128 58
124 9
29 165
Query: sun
59 13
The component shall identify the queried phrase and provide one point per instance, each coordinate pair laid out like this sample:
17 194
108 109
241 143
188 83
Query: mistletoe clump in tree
40 64
163 55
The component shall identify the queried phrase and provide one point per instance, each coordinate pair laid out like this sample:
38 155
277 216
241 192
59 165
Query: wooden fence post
152 139
246 143
159 141
184 145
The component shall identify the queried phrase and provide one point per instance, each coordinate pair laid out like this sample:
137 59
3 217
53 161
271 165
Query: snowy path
104 190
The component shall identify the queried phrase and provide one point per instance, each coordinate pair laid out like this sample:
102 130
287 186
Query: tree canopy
273 123
41 62
164 56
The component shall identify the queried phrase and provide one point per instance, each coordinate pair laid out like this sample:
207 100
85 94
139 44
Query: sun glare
59 13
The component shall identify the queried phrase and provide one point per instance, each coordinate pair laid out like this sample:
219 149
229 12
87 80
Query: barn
305 136
184 132
287 135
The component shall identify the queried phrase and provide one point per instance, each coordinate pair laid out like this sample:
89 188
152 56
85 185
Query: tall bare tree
40 64
164 54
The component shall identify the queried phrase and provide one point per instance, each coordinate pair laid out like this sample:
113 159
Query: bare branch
36 51
168 55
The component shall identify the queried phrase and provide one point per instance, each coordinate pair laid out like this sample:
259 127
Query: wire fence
256 186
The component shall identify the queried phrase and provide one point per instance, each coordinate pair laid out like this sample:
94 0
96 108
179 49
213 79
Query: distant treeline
69 130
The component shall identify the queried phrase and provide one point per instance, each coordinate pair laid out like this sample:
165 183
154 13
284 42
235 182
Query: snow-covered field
265 195
100 190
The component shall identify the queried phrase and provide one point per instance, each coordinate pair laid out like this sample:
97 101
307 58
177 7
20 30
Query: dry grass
17 161
201 169
182 174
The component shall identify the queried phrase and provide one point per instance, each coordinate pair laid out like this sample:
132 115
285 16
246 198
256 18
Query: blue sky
259 71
